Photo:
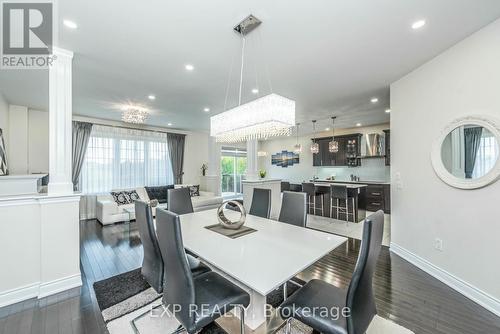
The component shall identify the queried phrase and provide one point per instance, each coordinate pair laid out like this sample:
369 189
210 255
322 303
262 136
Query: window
120 158
487 155
233 170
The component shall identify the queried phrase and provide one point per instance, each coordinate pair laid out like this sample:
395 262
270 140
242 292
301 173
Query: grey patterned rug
124 297
127 296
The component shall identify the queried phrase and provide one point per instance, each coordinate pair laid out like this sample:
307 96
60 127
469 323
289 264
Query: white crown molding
488 122
473 293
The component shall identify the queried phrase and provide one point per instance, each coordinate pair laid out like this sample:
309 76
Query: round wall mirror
467 153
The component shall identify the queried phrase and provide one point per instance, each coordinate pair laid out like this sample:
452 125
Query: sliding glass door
233 170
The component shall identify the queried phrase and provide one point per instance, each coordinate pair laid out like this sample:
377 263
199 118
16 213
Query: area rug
124 297
127 296
378 325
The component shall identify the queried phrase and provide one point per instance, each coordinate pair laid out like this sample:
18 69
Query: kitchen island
355 213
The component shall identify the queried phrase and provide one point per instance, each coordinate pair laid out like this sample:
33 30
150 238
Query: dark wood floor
404 294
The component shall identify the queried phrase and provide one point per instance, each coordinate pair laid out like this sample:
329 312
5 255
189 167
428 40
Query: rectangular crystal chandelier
269 116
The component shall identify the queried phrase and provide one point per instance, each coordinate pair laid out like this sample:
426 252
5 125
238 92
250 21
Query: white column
60 128
213 177
252 159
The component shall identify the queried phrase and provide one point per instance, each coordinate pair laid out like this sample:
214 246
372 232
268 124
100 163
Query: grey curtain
175 144
81 135
472 137
3 156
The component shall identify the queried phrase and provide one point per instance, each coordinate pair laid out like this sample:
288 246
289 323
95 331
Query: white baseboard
480 297
59 285
19 294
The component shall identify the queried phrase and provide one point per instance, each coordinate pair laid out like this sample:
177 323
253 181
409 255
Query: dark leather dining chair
293 209
152 264
209 295
285 186
179 201
261 203
358 298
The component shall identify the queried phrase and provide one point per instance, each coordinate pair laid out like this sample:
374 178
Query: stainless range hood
374 145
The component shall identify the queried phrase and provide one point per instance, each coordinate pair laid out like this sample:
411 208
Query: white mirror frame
493 125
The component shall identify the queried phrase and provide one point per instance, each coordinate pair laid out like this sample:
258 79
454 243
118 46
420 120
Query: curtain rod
127 127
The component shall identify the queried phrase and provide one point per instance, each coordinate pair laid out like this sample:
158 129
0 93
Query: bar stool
340 192
312 191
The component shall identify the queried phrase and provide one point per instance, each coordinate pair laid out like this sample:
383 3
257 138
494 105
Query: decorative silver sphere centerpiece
225 222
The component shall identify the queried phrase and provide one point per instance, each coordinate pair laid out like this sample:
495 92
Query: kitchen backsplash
373 169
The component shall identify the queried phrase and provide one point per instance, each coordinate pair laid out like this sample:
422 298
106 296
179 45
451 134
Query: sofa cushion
159 193
132 195
121 197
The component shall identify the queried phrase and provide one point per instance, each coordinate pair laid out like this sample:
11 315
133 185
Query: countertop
327 184
353 182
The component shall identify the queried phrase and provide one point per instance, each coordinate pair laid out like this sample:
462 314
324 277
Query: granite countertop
352 185
354 182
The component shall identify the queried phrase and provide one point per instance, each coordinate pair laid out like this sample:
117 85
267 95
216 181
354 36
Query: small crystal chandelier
297 148
333 146
314 145
136 115
269 116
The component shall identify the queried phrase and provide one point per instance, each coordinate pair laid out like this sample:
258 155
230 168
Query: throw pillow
120 197
132 195
194 190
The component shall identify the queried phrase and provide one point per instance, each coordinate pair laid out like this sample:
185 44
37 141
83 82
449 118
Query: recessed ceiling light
387 111
206 109
327 129
169 124
374 100
358 124
189 67
255 91
418 24
151 97
70 24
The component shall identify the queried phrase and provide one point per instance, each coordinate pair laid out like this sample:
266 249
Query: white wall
38 141
464 80
195 155
4 118
17 151
371 169
27 140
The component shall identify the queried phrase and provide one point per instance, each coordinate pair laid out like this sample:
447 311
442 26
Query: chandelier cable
241 68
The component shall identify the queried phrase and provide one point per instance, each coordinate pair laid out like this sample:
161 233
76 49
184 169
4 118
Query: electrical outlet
438 244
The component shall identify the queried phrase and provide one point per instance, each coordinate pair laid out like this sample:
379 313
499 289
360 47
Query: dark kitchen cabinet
348 154
387 147
378 197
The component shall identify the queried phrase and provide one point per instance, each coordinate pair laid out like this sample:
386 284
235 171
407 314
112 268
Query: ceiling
330 56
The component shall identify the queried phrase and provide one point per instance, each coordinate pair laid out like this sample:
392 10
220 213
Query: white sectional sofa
108 212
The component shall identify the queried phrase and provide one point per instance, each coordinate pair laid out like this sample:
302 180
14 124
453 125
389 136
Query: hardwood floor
404 294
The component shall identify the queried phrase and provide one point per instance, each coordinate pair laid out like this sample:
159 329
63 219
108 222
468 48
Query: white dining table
259 262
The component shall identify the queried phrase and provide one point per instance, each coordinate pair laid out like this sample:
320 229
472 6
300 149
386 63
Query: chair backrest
360 299
261 203
285 186
309 188
152 263
293 209
179 201
179 287
337 191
